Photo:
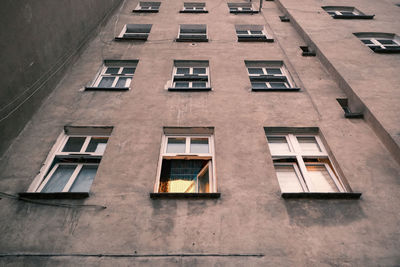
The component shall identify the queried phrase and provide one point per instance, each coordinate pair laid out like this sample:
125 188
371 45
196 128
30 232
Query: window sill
354 115
308 54
144 11
56 195
184 195
244 12
293 89
284 19
191 40
193 11
186 89
89 88
353 16
322 195
255 39
386 50
143 38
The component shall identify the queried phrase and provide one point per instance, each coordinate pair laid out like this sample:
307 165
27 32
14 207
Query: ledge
353 16
353 115
244 12
56 195
186 89
386 50
89 88
322 195
130 38
293 89
193 11
144 11
185 195
191 40
255 39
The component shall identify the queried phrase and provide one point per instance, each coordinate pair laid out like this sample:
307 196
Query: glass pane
241 32
128 70
112 70
199 70
367 41
256 71
308 144
182 71
199 84
74 144
199 145
97 145
233 9
386 41
258 85
288 179
144 7
106 82
246 8
123 82
59 178
256 32
204 181
274 71
347 13
182 84
278 85
278 145
331 13
320 178
84 179
176 145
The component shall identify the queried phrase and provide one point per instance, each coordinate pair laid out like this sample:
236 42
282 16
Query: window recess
241 8
343 102
252 33
380 42
269 76
147 7
194 8
346 12
190 76
115 75
192 33
138 32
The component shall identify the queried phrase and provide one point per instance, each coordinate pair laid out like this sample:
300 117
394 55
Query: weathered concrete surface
250 217
38 41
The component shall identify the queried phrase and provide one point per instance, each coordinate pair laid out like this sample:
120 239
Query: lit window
186 164
149 7
237 8
269 76
115 75
134 32
190 75
73 162
252 33
194 8
302 163
192 33
346 12
380 42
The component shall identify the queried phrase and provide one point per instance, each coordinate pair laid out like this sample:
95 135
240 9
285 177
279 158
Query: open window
72 164
269 76
241 8
192 33
380 42
194 8
252 33
147 7
187 162
138 32
190 75
114 75
346 12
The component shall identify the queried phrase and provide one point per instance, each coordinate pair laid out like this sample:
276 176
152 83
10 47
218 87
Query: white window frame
249 34
188 155
175 74
143 6
284 73
187 26
299 155
375 42
141 34
239 7
189 6
116 76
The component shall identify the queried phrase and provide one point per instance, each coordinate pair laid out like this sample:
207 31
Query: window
149 7
190 75
252 33
301 162
192 33
269 76
134 32
380 42
237 8
346 12
194 8
186 162
73 162
114 75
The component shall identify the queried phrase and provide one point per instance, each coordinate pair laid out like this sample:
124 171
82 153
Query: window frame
337 12
141 35
378 47
154 7
190 77
237 8
250 37
197 7
192 27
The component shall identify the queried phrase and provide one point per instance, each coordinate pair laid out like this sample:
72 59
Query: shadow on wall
322 212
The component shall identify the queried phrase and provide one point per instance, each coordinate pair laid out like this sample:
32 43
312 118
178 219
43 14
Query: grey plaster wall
38 41
251 224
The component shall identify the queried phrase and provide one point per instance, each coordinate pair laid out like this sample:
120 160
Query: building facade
215 133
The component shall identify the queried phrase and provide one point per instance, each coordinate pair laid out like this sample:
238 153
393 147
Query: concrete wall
38 41
251 224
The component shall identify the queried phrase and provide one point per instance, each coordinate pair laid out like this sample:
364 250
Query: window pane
182 84
199 145
246 8
274 71
278 85
112 70
59 178
182 71
256 32
84 179
123 82
367 41
320 178
256 71
199 84
199 70
74 144
288 179
97 145
241 32
128 70
308 144
176 145
204 181
258 85
348 13
278 145
106 82
386 41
